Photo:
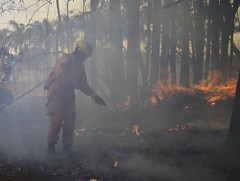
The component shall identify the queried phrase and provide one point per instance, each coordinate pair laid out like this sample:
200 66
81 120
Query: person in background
68 74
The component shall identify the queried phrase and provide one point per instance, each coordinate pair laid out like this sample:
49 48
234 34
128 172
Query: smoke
160 168
162 154
23 128
104 136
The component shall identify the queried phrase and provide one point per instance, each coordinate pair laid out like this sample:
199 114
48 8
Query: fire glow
80 131
93 179
126 104
187 126
115 164
213 89
137 132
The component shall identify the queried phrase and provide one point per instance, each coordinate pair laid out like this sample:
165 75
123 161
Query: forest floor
144 144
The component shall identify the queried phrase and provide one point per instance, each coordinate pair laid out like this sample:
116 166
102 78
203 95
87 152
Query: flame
187 126
136 130
213 89
163 90
126 104
187 107
216 90
115 164
79 132
153 101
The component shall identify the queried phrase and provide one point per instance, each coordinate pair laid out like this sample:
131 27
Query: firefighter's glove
99 100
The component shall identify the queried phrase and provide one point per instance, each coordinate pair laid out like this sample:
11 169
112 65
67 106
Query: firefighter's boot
68 152
51 152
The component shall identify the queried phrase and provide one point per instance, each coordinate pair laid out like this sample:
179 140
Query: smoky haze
128 140
104 136
142 134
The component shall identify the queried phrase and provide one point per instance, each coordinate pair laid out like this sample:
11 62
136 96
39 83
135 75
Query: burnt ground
172 144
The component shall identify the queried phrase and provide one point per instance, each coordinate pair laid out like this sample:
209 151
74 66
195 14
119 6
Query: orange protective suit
68 74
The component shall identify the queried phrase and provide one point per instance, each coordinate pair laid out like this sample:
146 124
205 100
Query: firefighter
68 74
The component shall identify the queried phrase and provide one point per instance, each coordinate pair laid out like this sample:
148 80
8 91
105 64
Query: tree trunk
116 56
215 14
145 73
233 140
133 48
208 47
67 28
155 42
199 40
184 72
231 53
229 11
94 4
173 46
224 58
58 28
165 44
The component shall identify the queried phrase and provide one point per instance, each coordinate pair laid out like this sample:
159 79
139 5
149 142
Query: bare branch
47 2
171 4
6 5
11 5
26 8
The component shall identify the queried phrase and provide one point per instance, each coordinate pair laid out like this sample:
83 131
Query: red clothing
61 114
69 74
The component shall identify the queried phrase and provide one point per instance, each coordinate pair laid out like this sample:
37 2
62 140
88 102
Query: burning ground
182 136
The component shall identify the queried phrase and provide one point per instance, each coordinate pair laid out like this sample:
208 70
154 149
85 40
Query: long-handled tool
19 97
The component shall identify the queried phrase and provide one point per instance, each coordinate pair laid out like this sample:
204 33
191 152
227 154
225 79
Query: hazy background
179 137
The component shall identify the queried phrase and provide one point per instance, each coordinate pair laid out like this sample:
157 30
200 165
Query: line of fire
119 90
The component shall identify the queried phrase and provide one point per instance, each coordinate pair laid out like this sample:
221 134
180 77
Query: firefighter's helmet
84 47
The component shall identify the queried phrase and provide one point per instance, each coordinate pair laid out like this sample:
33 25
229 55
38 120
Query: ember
115 164
80 131
126 104
187 126
137 131
153 101
93 179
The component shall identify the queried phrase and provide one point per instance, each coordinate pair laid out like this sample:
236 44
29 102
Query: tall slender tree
165 44
234 128
225 32
94 4
58 27
228 14
133 47
216 18
155 59
208 40
117 64
185 58
173 45
145 72
199 36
